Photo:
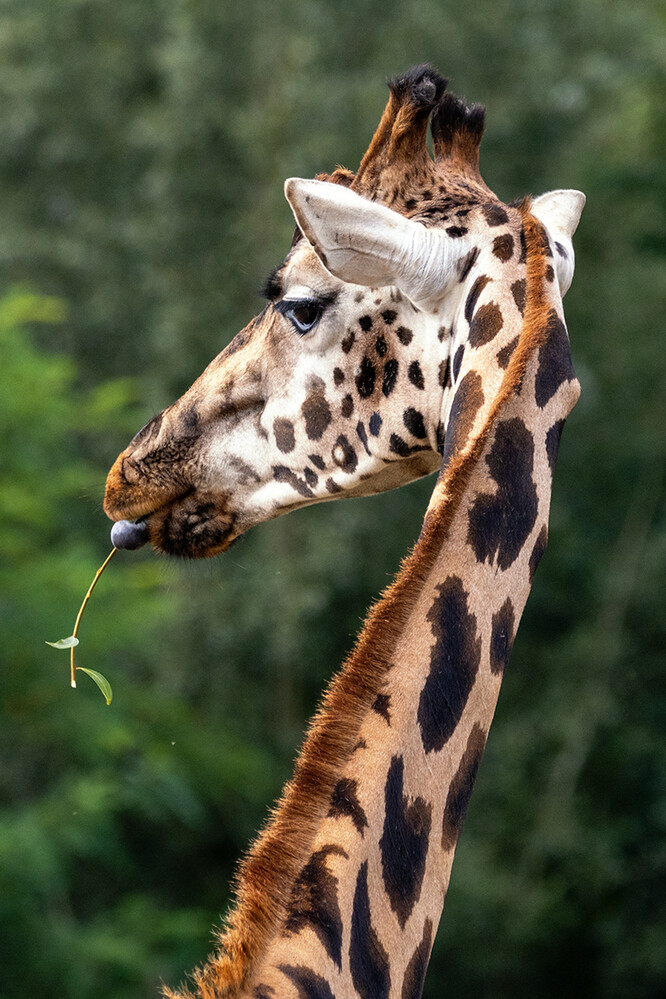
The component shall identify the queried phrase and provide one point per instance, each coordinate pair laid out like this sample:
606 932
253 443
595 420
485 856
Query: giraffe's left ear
560 212
366 243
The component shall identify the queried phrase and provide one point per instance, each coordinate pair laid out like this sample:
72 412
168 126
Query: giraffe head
344 384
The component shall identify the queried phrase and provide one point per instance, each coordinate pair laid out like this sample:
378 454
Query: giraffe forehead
304 272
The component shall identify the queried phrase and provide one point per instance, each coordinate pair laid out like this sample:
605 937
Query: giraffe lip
133 533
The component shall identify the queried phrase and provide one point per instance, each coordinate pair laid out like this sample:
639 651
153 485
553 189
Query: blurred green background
143 148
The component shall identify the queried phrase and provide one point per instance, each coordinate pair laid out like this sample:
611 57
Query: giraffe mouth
192 526
175 518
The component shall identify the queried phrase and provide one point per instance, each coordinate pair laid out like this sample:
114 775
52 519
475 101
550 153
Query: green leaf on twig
72 641
64 643
100 680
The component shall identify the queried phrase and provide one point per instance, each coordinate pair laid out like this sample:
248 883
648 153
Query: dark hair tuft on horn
452 117
421 86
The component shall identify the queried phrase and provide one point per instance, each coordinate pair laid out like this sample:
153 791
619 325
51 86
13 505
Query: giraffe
415 325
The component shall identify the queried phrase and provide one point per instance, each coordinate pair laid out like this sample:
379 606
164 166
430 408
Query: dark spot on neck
369 963
347 406
499 523
360 430
314 903
317 414
555 365
501 638
518 292
485 325
466 404
284 435
494 214
375 424
504 355
474 293
454 663
457 361
503 247
415 972
348 341
404 843
461 788
309 985
381 705
345 803
467 263
415 375
553 442
538 551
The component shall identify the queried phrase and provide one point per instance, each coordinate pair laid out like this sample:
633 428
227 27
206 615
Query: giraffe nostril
130 471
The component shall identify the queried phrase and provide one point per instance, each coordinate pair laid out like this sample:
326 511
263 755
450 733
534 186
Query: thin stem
72 664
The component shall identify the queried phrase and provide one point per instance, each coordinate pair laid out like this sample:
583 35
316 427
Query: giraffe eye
304 314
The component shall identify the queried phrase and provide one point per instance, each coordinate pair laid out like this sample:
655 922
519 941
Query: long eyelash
273 286
323 301
287 304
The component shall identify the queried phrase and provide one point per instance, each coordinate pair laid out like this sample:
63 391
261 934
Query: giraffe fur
365 371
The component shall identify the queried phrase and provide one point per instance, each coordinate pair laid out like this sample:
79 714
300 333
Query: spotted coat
415 325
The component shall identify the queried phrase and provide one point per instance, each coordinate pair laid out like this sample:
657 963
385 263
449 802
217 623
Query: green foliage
84 792
144 150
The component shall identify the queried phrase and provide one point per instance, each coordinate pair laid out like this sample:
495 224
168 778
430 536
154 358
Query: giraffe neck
342 893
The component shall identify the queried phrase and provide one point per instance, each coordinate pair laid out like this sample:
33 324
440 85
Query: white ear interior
560 212
366 243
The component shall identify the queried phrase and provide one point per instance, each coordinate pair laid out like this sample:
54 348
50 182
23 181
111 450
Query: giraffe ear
366 243
560 212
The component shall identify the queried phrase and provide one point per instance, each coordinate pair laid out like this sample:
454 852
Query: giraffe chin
196 526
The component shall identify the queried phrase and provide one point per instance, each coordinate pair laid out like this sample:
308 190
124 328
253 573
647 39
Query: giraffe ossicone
415 325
